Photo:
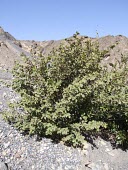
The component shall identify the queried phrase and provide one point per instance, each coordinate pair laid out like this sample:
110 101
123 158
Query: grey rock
5 35
3 166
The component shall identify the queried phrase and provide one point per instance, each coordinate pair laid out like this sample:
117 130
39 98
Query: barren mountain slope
11 49
5 35
117 46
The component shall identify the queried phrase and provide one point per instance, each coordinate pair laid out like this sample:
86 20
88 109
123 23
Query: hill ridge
11 49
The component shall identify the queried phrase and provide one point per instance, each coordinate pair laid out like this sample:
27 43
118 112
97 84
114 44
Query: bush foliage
69 94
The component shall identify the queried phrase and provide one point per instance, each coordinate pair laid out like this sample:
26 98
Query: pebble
110 153
106 167
32 154
3 166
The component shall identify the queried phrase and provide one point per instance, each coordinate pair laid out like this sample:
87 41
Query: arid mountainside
11 49
19 151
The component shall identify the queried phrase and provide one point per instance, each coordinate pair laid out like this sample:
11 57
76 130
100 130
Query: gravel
27 153
4 75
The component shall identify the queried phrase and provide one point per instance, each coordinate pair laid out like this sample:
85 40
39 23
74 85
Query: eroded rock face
5 35
1 30
117 45
11 49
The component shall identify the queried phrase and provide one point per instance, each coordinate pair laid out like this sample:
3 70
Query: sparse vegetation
112 46
68 94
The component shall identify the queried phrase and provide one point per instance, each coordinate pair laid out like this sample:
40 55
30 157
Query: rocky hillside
19 152
11 49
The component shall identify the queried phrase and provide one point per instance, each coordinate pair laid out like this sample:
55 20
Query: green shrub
68 94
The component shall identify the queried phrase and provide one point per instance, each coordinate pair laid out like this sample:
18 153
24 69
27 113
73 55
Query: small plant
68 94
112 46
